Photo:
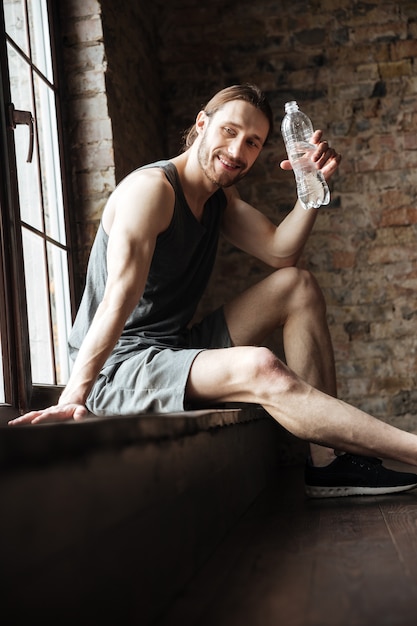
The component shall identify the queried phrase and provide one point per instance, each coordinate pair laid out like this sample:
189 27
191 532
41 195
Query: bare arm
140 208
277 246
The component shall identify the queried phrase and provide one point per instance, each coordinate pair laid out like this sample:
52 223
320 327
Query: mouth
228 164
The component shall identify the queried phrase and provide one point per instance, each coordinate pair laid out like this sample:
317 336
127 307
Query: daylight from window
40 190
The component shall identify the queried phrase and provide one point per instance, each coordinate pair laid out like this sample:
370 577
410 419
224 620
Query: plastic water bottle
297 130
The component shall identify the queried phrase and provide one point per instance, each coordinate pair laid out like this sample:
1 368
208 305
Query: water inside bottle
301 153
312 188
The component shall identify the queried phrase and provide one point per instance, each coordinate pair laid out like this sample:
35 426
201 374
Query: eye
228 130
254 144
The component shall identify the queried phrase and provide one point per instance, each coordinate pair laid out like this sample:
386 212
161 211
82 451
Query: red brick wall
351 66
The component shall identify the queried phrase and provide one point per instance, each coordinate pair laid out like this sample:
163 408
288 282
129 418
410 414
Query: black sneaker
351 475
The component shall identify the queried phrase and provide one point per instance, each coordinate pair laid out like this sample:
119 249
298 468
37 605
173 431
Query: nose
235 147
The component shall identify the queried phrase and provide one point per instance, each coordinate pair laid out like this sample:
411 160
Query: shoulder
150 182
145 194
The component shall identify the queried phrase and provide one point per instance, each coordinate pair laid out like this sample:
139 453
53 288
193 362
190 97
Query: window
36 279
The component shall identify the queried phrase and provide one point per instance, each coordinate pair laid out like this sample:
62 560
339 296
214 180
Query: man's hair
248 93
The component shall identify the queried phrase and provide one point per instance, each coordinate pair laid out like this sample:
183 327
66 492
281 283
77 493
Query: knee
268 373
304 290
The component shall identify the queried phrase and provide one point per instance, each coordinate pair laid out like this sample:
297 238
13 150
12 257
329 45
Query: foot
351 475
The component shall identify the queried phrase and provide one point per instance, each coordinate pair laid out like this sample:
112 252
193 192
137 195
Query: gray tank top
181 266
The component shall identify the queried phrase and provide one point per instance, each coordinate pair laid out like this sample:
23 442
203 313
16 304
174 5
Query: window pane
39 37
50 164
15 18
20 81
60 310
28 173
37 293
49 310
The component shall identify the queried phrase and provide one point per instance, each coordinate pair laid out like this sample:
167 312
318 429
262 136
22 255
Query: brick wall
132 82
112 103
352 68
88 125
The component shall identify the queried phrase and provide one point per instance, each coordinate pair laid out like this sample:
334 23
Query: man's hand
325 157
57 413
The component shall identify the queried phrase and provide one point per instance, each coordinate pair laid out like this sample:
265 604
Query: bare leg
254 374
292 299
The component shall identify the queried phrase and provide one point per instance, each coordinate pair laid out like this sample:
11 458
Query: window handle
22 117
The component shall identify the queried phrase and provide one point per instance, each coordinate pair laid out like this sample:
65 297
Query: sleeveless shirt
180 269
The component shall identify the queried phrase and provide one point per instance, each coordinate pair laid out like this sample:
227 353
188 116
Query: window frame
20 393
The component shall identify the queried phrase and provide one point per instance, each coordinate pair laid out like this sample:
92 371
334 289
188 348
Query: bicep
128 261
141 213
250 230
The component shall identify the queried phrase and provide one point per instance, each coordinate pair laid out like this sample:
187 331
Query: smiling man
132 342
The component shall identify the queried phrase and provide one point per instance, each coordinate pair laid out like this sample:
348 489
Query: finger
49 417
285 165
331 166
325 155
332 162
52 414
316 137
24 419
323 151
56 413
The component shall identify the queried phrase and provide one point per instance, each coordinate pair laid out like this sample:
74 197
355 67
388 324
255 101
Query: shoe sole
339 492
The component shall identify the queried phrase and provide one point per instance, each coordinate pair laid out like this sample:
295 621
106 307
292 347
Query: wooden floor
292 561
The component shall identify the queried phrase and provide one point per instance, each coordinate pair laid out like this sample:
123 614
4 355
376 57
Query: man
148 268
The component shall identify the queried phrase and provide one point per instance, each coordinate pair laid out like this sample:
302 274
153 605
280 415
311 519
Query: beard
224 179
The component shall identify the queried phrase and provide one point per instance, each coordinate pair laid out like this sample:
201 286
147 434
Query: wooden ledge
42 443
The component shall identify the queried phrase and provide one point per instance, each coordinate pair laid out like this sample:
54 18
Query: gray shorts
154 379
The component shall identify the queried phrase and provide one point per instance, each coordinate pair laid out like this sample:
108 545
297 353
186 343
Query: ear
201 122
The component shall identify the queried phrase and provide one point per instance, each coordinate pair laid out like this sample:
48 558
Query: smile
228 164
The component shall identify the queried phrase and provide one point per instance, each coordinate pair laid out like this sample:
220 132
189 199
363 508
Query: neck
195 184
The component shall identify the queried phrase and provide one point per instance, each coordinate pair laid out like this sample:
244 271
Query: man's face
230 141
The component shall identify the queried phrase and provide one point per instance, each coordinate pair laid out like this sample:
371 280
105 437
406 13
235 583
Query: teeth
227 163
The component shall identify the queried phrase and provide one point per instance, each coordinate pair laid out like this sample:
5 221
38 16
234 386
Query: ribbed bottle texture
297 130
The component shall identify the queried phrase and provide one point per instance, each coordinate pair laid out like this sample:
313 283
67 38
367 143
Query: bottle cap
291 106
